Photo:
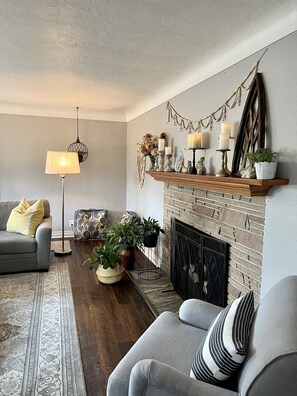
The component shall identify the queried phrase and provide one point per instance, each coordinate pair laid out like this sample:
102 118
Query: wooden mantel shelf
233 185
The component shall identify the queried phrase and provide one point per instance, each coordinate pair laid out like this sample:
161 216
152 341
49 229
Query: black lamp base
62 252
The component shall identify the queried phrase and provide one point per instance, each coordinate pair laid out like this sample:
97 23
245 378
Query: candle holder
161 161
224 171
168 163
193 170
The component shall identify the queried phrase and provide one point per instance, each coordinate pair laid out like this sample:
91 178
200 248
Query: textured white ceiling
116 59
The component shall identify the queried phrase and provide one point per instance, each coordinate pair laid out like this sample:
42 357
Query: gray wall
24 141
278 68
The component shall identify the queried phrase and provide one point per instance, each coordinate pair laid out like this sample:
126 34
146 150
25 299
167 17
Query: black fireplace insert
198 264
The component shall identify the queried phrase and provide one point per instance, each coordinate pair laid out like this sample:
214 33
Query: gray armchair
19 252
159 363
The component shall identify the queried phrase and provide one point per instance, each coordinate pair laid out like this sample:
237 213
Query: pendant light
78 147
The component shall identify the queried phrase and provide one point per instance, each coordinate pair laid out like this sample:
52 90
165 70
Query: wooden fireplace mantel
233 185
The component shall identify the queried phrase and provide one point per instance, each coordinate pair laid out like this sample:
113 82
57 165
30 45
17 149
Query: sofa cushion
13 243
24 219
224 348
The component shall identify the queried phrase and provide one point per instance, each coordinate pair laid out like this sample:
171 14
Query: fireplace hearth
199 264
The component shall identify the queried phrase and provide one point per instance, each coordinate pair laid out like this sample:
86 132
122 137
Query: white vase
110 275
265 170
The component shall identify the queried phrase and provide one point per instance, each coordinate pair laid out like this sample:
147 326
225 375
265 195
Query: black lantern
78 147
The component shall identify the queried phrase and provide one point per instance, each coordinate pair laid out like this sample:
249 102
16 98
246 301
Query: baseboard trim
58 234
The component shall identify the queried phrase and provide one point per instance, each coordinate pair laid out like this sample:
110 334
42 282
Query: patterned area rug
39 347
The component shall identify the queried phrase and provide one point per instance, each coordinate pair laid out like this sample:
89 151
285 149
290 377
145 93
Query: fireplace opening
198 264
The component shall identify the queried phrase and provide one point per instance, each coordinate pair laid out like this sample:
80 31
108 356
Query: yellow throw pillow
25 218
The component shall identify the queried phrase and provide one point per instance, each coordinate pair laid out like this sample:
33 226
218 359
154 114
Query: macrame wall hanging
140 166
218 114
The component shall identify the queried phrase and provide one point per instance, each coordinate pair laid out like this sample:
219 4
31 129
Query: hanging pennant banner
220 113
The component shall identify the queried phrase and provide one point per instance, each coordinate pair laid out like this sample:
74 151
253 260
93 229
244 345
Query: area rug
157 292
39 347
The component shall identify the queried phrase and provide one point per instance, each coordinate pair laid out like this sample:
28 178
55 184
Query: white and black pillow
90 224
224 347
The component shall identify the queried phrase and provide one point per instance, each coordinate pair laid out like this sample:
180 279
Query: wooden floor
110 318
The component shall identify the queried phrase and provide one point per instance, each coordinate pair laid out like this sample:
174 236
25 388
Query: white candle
190 140
205 138
197 140
226 128
161 144
194 140
168 150
224 142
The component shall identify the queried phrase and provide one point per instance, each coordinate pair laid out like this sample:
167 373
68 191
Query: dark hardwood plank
110 318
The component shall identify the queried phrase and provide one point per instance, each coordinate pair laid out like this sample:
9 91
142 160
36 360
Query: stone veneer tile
257 219
249 208
236 219
200 193
249 240
235 286
203 209
237 260
256 231
242 251
233 293
245 270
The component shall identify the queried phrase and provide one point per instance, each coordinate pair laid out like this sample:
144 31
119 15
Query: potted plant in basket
110 268
265 162
151 230
128 233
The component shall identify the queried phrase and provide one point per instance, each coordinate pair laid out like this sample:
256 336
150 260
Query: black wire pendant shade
79 147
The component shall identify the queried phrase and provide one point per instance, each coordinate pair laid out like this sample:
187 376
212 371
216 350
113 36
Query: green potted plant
265 162
151 230
110 268
128 233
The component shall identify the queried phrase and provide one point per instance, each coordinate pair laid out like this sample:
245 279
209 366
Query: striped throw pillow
225 344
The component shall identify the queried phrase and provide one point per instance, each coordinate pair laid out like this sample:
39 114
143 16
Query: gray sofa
159 363
19 252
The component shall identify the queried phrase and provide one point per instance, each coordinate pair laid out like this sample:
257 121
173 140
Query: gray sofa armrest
150 377
198 313
43 238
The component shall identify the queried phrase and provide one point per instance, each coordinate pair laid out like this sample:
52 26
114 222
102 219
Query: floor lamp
62 163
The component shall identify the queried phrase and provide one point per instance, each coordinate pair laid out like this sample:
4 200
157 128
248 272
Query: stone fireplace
235 219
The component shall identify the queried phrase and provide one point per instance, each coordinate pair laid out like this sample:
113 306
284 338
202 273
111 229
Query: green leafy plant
107 255
128 233
151 226
262 155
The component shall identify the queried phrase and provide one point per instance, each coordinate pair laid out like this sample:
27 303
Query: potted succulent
110 268
128 233
265 162
151 230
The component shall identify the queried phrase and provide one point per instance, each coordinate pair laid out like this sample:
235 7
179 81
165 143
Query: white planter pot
265 170
110 275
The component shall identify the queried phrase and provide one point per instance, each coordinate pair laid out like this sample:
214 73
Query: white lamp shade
61 163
